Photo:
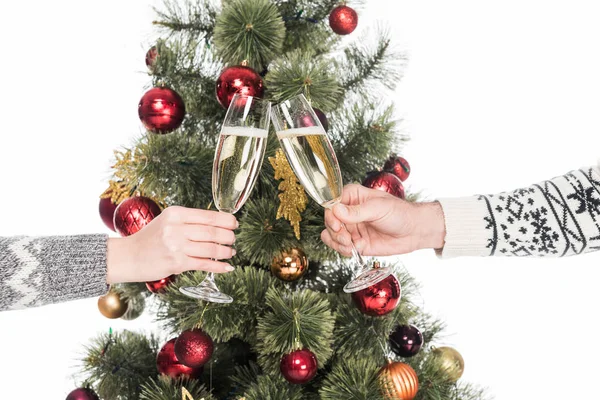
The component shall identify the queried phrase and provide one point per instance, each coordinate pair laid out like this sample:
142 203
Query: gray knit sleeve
42 270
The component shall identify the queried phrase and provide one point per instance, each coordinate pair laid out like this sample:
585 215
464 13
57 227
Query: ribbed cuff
465 227
76 267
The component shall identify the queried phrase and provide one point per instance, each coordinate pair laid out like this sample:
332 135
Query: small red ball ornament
385 181
379 299
299 366
194 348
107 212
238 79
397 166
134 213
151 56
343 20
168 364
161 110
82 394
161 284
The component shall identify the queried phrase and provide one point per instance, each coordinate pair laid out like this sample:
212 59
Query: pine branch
165 388
353 377
222 322
194 18
294 320
366 67
174 167
302 72
363 135
250 30
119 364
188 66
273 388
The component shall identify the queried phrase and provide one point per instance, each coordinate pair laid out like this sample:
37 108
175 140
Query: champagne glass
238 158
309 152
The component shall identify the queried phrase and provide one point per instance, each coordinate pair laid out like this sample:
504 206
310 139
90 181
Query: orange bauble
398 381
111 305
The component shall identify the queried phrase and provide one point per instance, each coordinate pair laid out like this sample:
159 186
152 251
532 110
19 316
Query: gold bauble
290 265
450 361
111 305
135 307
398 381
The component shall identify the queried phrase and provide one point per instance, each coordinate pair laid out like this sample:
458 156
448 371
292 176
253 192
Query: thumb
364 212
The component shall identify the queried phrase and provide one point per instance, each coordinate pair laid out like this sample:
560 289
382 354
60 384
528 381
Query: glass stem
355 254
209 282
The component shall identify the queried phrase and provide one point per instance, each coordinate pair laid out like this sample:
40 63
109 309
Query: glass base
367 278
206 293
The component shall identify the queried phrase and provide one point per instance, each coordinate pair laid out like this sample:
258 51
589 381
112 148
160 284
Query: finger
208 250
328 240
357 194
206 217
354 214
331 222
207 233
203 264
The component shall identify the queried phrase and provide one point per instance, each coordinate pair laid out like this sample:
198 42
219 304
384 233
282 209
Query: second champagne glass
238 158
314 162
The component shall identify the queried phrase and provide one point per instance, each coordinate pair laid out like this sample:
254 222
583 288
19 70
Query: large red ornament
151 56
385 181
343 20
238 79
168 364
299 366
397 166
82 394
107 212
159 285
161 110
134 213
379 299
194 348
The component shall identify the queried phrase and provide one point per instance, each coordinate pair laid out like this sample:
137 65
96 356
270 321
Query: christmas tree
291 331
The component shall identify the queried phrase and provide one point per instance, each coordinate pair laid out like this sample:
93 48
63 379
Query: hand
381 224
179 239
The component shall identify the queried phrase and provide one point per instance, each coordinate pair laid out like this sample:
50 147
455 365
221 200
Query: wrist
431 226
117 260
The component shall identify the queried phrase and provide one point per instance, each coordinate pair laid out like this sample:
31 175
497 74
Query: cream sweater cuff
465 227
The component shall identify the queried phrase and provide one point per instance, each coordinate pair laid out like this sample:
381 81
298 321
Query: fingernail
343 209
233 252
237 224
229 268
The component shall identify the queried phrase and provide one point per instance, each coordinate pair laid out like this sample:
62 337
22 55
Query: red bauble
385 181
299 366
82 394
379 299
134 213
238 79
161 110
167 363
107 212
343 20
151 56
398 166
193 348
159 285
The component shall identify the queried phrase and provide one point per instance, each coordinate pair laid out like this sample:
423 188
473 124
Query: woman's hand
179 239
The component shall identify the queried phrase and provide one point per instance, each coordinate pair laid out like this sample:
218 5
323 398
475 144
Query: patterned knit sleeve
555 218
41 270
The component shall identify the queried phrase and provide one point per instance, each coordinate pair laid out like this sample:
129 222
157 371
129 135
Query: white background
497 95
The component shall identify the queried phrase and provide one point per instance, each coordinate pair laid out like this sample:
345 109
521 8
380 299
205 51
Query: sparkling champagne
237 164
313 160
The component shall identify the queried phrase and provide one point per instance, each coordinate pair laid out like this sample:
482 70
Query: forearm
555 218
42 270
